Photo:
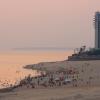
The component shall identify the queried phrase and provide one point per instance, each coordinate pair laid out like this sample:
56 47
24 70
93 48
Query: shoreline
85 87
51 67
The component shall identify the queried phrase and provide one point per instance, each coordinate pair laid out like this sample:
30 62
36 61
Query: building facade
97 30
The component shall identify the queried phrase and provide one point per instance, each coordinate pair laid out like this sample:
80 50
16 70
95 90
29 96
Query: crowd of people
73 77
52 79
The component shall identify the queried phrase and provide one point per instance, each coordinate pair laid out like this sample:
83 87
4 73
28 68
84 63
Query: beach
85 72
53 94
87 86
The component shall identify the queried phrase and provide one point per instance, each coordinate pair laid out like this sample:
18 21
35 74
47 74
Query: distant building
97 30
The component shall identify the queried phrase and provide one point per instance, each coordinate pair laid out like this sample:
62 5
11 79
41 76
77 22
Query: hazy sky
47 23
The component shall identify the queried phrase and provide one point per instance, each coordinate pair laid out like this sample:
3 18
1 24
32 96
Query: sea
12 63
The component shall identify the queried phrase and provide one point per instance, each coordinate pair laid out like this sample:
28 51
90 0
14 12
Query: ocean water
12 63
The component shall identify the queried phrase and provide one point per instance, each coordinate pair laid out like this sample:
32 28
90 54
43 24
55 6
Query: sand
89 72
53 94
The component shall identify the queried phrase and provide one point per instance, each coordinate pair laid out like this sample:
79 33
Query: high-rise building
97 30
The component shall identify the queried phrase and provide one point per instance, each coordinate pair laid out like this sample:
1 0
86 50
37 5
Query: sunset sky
47 23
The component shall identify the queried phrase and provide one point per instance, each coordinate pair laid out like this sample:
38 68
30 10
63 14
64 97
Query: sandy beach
88 83
87 71
63 93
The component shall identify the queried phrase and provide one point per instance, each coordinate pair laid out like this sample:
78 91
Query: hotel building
97 30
